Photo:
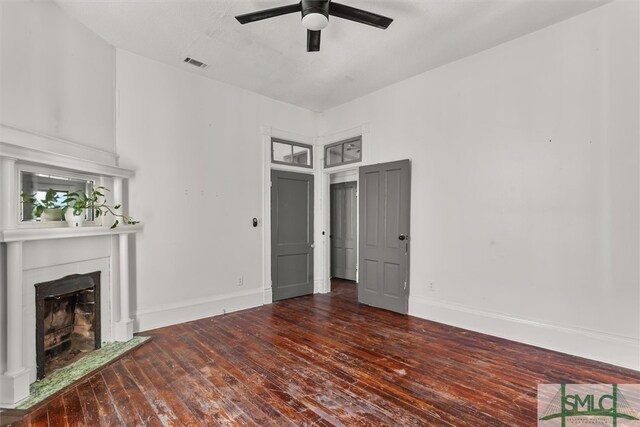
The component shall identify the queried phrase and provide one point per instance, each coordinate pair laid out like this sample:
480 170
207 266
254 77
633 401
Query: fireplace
67 321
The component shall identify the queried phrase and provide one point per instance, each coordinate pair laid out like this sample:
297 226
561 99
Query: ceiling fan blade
313 41
359 15
268 13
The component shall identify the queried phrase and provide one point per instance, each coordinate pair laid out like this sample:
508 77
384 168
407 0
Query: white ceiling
269 57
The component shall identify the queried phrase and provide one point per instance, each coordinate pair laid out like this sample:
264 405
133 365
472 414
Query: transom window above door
343 152
291 153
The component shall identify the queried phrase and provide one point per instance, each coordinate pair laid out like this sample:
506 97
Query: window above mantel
21 166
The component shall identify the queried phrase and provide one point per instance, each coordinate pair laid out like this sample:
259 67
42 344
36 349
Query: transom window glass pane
50 192
301 155
343 152
334 155
281 152
291 153
352 151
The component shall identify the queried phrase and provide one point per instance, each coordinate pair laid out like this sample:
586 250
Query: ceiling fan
315 17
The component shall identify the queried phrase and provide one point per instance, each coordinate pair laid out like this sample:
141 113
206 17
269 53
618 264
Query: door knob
402 237
313 245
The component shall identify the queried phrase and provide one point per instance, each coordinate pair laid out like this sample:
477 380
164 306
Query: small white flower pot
74 220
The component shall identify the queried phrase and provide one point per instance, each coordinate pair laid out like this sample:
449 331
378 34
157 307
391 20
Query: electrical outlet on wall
240 281
431 287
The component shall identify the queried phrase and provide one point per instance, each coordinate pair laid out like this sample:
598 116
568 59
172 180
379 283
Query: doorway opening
383 236
343 233
343 228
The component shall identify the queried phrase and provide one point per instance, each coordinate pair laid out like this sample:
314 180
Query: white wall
525 172
196 145
57 81
525 184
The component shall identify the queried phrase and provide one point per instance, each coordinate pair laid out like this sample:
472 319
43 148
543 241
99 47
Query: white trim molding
49 144
267 133
604 347
323 186
60 161
64 232
195 309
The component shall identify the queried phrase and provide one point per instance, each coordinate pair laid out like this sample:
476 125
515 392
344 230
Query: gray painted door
385 191
291 234
344 232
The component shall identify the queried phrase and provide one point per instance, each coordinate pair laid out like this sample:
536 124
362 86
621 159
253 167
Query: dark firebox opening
67 321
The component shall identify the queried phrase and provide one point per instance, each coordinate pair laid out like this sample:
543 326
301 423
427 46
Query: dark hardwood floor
320 360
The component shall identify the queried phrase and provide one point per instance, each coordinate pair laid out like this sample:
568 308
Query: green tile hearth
41 390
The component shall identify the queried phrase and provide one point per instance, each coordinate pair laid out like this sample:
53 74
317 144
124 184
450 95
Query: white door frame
322 198
267 134
323 209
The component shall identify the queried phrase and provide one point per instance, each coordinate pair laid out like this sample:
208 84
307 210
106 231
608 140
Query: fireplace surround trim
15 376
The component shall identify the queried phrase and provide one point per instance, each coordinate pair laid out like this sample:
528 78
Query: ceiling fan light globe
315 21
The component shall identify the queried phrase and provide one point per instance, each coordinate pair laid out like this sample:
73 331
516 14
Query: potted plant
78 202
49 209
74 206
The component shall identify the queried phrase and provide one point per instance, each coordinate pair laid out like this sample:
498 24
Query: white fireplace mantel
31 234
17 237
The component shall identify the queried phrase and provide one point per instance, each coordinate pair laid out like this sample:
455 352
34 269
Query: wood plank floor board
319 355
321 360
73 408
169 394
39 417
284 382
202 399
58 416
137 399
107 413
90 407
318 362
153 396
242 379
311 379
224 376
124 406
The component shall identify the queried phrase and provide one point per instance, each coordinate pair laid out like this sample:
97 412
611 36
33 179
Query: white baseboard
200 308
267 294
608 348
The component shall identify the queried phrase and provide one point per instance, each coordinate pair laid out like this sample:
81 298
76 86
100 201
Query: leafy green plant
79 201
51 201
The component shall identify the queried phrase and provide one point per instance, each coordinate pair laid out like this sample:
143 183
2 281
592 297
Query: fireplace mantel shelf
30 234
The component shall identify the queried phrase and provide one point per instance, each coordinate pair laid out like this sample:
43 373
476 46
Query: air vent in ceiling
195 62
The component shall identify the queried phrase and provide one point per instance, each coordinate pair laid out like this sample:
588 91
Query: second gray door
384 235
291 234
344 230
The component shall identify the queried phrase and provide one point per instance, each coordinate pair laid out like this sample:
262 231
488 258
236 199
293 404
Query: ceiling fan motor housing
315 6
315 14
